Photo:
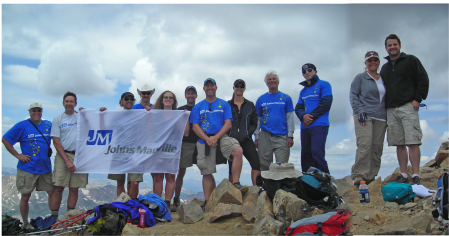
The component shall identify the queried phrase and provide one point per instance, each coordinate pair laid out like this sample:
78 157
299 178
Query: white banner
129 141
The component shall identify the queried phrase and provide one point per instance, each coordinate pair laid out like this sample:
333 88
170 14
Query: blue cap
211 80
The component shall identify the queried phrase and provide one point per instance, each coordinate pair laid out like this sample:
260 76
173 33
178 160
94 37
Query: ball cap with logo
126 94
35 105
281 171
211 80
239 81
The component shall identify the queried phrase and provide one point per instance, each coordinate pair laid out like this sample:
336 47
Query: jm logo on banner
129 141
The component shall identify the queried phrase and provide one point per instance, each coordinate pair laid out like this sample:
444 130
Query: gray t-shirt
64 127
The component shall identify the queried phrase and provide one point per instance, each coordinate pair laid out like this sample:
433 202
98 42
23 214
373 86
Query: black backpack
11 225
271 186
317 189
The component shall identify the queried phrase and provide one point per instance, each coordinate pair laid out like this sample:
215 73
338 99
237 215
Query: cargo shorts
207 164
187 150
131 177
27 182
62 177
403 126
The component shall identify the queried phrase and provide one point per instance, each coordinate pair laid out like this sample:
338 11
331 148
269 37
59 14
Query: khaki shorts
62 177
206 164
27 182
269 144
403 126
131 177
187 150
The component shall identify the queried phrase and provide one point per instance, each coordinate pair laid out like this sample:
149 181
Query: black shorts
250 153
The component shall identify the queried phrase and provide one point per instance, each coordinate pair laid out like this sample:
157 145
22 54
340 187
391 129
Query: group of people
223 130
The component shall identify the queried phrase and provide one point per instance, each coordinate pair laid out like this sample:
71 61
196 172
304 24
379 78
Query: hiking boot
167 202
357 180
240 187
415 180
401 179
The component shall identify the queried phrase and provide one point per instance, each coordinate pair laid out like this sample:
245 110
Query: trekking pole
82 217
52 230
69 231
60 222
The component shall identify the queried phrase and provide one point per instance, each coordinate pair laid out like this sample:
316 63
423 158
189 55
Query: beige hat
282 171
145 88
35 104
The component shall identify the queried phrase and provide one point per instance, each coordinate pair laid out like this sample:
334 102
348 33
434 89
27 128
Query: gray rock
393 205
238 226
417 223
249 211
378 219
359 218
190 213
410 205
225 193
287 207
225 210
264 207
251 195
269 226
343 185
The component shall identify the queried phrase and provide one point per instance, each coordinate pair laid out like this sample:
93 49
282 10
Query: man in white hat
145 93
34 166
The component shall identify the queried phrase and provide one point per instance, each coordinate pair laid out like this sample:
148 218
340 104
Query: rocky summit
228 213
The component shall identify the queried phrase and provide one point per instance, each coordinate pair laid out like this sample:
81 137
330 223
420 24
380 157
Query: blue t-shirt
311 96
139 106
33 144
273 109
211 116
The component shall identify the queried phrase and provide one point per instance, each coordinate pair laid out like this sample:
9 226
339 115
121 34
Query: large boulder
251 195
225 193
225 210
344 185
190 213
264 207
287 207
269 226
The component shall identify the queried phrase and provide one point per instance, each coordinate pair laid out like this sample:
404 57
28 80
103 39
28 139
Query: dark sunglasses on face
373 59
239 86
308 69
36 110
129 99
167 97
146 93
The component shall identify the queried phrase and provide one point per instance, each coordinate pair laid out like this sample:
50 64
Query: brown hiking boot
401 179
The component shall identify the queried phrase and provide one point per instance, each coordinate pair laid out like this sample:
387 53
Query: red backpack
332 222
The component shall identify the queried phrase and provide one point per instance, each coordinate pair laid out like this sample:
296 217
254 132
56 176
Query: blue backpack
440 198
401 193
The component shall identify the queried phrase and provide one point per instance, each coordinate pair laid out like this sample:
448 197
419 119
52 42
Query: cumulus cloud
438 107
445 137
21 75
343 147
427 131
68 66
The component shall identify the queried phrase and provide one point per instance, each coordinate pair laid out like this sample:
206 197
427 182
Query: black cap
211 80
126 94
190 87
239 81
306 66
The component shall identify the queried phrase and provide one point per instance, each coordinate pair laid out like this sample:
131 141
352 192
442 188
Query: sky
100 51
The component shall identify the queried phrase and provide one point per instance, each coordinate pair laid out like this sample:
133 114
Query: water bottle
363 192
142 213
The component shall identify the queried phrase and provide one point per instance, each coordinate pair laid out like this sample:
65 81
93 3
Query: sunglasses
210 106
36 110
305 70
167 97
146 93
373 59
239 86
129 99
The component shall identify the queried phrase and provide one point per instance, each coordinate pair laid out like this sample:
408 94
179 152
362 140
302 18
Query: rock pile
257 213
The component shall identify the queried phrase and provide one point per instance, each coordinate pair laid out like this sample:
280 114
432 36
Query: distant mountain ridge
98 191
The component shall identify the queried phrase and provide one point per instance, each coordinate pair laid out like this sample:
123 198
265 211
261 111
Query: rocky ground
238 214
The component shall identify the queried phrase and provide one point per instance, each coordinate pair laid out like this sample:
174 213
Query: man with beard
406 84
